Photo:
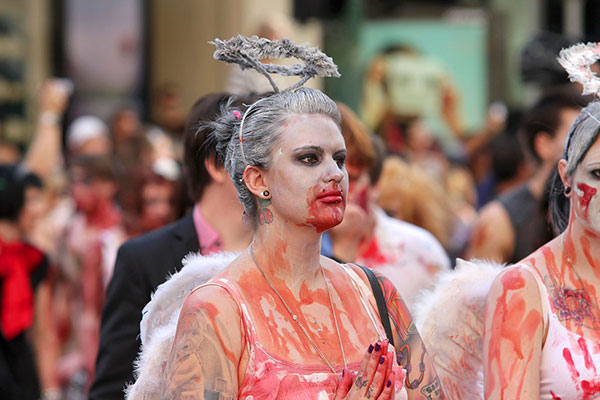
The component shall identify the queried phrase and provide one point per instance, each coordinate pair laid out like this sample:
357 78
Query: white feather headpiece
576 60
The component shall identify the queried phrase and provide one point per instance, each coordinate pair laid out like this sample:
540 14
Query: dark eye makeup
309 159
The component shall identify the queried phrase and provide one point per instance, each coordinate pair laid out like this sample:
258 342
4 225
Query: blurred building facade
145 45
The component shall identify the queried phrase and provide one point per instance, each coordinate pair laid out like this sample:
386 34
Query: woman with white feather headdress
532 330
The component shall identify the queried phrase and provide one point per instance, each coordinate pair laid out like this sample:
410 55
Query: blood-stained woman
542 325
282 321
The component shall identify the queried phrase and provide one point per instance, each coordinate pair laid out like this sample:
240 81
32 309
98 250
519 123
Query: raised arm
203 363
421 380
513 337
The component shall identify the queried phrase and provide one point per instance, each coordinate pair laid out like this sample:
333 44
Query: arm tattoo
397 309
404 354
407 332
198 366
433 390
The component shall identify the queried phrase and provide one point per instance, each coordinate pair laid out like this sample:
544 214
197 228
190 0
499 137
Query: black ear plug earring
266 193
568 190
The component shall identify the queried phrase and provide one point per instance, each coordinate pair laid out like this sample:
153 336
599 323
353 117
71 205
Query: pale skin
493 235
516 326
209 356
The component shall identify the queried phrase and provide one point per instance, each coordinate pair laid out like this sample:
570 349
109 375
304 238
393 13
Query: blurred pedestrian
85 263
215 224
22 268
408 255
515 224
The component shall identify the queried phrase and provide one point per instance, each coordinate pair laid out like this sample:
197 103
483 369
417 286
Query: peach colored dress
268 377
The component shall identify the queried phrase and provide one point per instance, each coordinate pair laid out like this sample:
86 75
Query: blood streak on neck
584 201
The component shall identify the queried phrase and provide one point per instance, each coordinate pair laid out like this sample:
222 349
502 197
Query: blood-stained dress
269 377
570 364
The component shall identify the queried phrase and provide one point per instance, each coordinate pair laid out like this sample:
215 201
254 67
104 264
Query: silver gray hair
582 135
263 126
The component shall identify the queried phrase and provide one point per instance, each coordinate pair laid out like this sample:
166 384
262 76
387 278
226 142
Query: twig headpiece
248 51
577 60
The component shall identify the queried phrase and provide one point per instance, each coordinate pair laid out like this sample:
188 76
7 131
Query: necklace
584 301
295 317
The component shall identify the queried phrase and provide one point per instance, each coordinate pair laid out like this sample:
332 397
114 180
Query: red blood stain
287 341
584 201
511 324
589 364
323 215
512 319
212 314
590 389
372 254
570 364
512 281
550 262
586 247
554 397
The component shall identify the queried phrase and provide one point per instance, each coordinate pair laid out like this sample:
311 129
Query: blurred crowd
80 190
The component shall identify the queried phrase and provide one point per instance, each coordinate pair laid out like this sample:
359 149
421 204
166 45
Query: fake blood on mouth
324 212
588 193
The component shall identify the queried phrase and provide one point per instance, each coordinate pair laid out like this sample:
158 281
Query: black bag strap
381 306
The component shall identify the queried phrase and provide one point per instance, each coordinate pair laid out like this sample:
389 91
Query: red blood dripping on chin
588 193
554 397
323 215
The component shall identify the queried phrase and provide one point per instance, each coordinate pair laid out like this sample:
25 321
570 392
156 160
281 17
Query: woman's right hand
375 378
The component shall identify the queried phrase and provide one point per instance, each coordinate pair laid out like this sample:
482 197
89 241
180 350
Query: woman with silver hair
542 329
282 321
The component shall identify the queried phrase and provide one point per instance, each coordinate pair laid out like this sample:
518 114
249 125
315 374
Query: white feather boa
450 319
159 321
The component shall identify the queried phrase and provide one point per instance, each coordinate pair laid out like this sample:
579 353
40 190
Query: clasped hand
375 379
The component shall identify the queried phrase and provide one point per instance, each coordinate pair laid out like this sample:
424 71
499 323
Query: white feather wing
450 319
159 321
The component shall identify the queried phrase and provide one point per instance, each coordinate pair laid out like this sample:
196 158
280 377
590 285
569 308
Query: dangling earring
265 216
567 190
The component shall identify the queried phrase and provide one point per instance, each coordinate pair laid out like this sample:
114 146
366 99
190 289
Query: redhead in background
409 255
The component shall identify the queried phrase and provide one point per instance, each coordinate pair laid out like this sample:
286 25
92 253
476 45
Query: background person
516 223
143 263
